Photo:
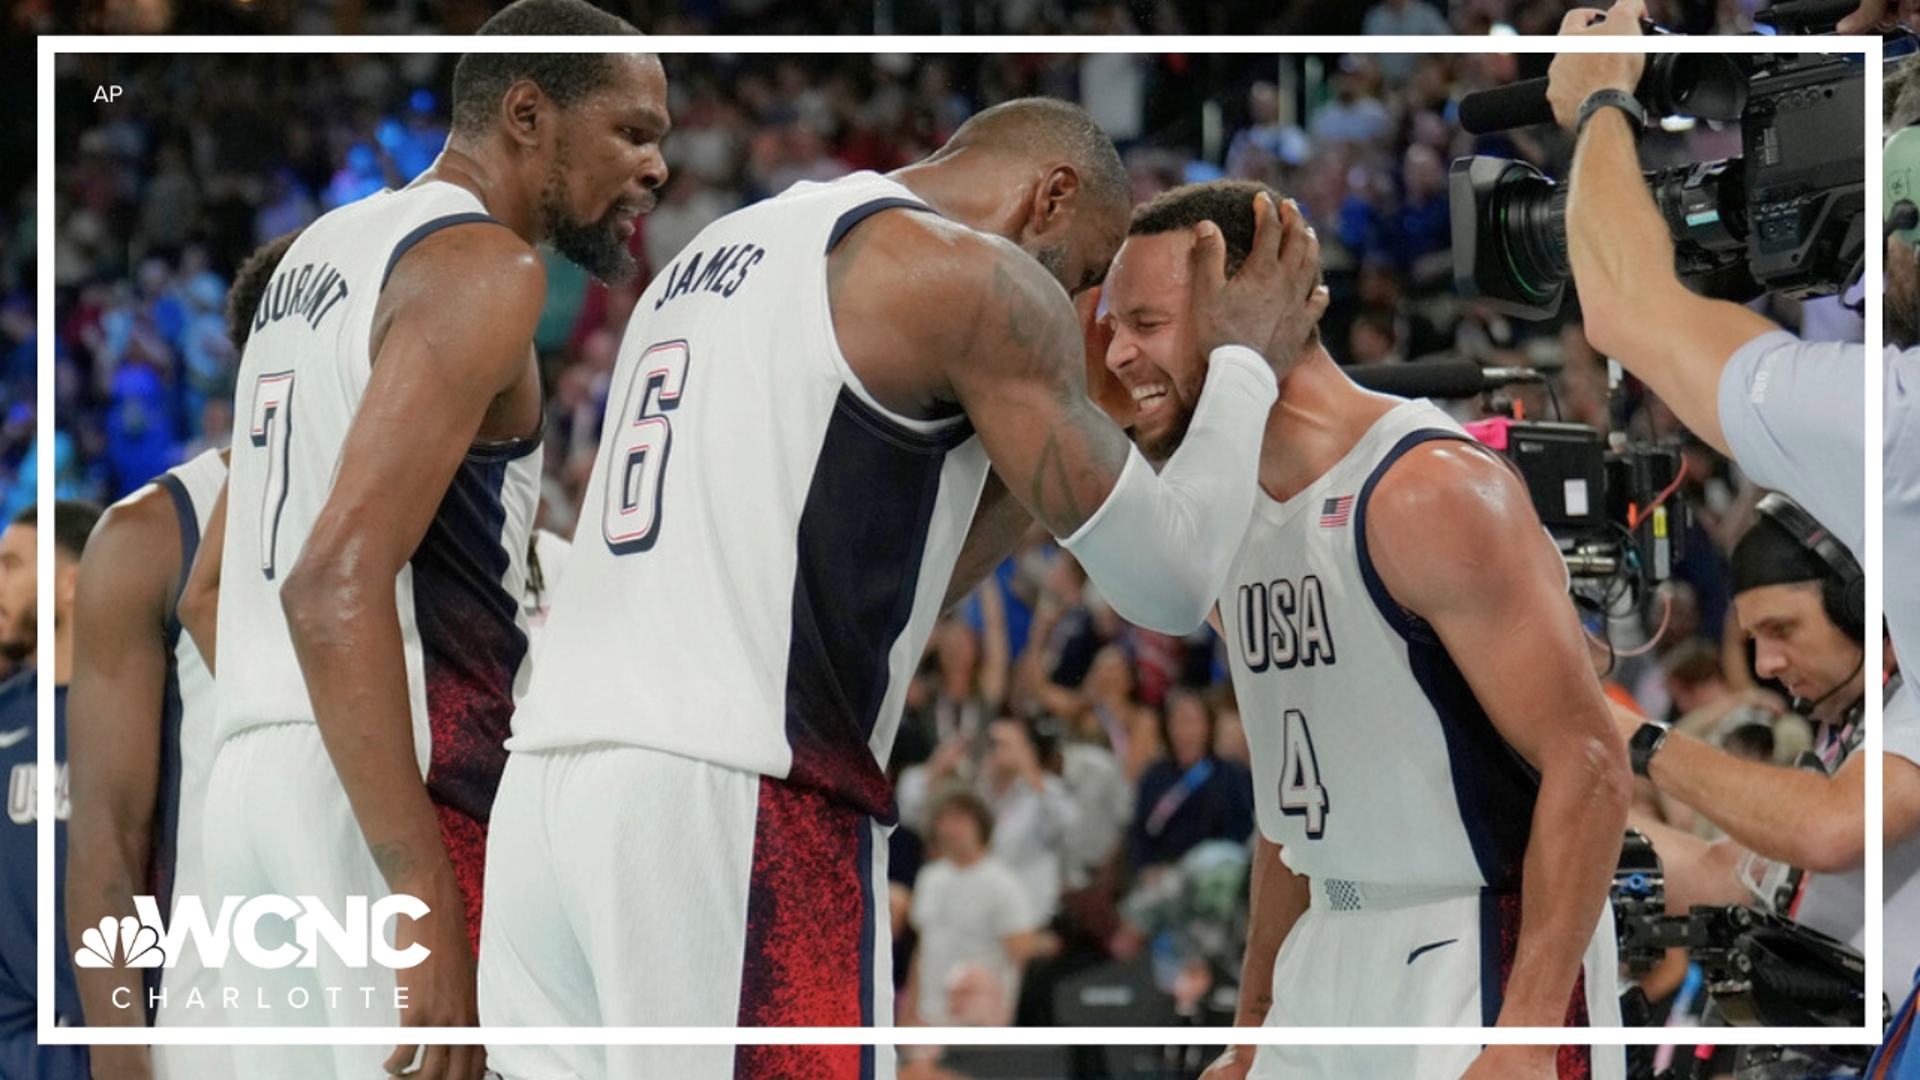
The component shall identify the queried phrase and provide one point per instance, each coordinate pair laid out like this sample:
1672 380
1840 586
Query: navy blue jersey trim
472 645
1492 962
189 547
866 210
893 431
868 916
511 450
426 229
166 825
1404 622
1493 785
862 536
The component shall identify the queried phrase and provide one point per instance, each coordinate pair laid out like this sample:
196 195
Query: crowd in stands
1073 791
1378 17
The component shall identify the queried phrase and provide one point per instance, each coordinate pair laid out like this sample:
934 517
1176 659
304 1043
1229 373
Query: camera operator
1900 829
1789 412
1804 615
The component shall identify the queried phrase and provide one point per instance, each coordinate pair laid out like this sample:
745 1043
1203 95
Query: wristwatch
1645 743
1612 99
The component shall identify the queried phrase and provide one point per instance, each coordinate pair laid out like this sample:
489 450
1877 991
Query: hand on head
1283 266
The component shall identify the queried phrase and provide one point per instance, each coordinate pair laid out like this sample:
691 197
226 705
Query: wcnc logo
149 941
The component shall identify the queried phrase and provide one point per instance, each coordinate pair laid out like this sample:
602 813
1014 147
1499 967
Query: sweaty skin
453 366
1456 542
123 598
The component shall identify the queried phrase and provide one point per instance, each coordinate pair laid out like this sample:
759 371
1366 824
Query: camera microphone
1439 378
1502 108
1706 86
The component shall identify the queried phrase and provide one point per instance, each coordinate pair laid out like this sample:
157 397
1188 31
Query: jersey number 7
638 463
270 427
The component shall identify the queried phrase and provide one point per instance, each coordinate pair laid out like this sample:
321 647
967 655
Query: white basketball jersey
1372 761
762 548
186 738
301 381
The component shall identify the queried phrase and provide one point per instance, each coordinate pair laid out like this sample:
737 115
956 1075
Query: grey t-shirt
1900 886
1900 505
1794 413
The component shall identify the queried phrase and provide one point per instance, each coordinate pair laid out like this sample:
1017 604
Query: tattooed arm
930 312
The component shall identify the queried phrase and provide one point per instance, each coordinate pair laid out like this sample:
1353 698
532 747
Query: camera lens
1533 224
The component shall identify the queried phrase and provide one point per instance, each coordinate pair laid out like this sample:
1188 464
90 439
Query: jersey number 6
631 521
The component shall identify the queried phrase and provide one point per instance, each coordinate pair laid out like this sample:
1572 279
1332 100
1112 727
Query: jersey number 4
270 424
637 467
1301 793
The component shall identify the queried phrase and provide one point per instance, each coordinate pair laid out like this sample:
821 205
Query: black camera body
1610 511
1787 216
1761 969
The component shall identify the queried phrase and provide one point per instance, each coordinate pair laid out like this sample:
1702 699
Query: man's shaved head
1046 130
480 79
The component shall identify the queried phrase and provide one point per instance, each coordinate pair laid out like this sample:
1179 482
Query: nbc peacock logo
124 943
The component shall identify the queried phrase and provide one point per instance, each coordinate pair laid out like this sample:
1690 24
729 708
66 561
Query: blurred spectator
413 138
1190 795
1404 17
975 927
1271 142
1355 115
1032 810
156 204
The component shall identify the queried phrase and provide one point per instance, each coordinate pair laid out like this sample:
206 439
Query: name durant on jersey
308 291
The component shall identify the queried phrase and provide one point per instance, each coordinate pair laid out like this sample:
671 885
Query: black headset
1844 592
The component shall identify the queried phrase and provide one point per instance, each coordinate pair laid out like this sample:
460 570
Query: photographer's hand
1513 1063
1634 307
1574 77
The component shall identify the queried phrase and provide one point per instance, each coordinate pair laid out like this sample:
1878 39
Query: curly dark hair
250 285
1226 203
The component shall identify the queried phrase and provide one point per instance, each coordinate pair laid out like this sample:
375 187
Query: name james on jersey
724 271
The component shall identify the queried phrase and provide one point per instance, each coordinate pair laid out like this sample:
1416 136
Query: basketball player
377 522
691 828
142 721
1434 764
198 606
20 1052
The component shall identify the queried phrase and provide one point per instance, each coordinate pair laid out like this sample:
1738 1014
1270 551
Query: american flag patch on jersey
1335 512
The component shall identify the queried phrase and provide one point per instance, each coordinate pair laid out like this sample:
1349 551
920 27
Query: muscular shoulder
466 295
142 528
481 267
907 283
1449 519
133 554
942 277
